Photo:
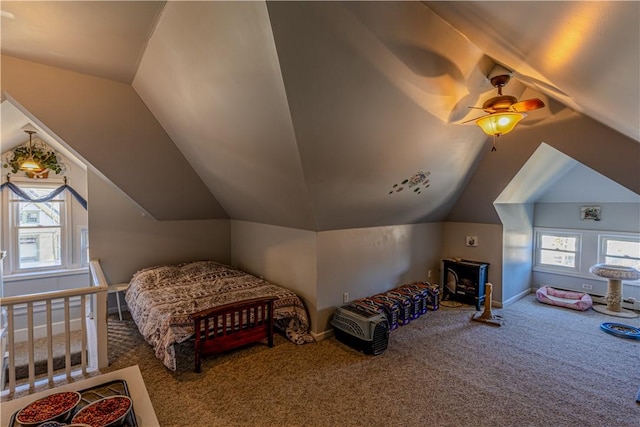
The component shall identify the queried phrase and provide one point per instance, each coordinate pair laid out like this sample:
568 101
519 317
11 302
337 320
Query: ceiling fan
503 111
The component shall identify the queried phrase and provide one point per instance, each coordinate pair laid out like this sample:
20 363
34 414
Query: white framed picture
472 240
590 213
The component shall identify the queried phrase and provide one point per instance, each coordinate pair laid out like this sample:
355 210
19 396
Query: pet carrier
380 307
361 328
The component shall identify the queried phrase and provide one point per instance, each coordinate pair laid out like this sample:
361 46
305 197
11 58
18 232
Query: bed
165 302
569 299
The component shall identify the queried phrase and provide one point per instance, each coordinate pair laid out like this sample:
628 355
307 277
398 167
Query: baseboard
625 304
517 297
322 335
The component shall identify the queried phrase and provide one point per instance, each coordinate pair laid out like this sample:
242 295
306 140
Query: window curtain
46 198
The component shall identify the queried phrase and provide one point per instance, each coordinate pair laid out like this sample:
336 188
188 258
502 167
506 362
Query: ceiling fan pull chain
493 148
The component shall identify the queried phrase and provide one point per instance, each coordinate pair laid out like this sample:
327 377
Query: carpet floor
41 353
546 366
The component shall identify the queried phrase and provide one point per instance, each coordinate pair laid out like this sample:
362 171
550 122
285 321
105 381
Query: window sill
563 272
44 274
581 275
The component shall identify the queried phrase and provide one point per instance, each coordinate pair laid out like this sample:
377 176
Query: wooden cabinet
464 280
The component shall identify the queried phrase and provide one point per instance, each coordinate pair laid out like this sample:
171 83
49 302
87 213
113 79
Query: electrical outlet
345 297
587 286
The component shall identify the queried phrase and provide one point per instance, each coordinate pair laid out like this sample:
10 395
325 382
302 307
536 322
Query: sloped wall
126 240
108 126
282 255
581 138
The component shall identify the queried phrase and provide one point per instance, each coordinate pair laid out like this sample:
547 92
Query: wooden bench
233 325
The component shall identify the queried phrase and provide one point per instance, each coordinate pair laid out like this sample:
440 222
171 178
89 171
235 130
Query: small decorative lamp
30 164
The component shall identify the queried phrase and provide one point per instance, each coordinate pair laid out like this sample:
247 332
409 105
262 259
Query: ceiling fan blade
473 120
527 105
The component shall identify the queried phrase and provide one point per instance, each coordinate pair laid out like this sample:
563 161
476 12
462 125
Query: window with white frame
38 230
620 249
558 250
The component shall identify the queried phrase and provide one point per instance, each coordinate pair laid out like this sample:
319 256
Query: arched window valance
17 191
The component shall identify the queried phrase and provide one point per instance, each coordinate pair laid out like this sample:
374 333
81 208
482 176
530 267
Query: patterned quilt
160 300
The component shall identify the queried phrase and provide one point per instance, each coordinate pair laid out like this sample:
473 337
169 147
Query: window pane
623 248
39 247
560 259
558 243
38 214
622 252
626 262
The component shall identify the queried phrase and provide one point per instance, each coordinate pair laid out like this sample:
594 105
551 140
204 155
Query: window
38 229
84 247
558 250
621 250
31 217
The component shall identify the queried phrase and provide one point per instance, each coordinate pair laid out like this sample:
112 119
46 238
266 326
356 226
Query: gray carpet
546 366
41 354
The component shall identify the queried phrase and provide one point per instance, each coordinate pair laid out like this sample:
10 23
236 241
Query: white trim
322 335
26 180
517 297
13 227
582 276
538 232
625 304
620 237
32 275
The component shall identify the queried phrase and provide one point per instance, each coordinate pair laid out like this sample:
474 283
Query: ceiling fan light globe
499 123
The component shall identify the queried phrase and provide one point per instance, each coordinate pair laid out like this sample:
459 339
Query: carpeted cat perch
487 316
615 274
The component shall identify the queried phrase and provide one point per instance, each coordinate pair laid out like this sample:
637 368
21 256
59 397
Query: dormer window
38 229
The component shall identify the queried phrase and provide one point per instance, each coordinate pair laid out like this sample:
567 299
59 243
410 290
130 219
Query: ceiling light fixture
504 112
30 164
497 124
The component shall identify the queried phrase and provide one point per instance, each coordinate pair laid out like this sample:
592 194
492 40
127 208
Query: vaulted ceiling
309 114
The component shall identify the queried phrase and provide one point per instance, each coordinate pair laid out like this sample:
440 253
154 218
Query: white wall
282 255
366 261
517 255
489 249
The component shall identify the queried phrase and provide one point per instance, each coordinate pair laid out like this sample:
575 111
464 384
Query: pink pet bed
574 300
